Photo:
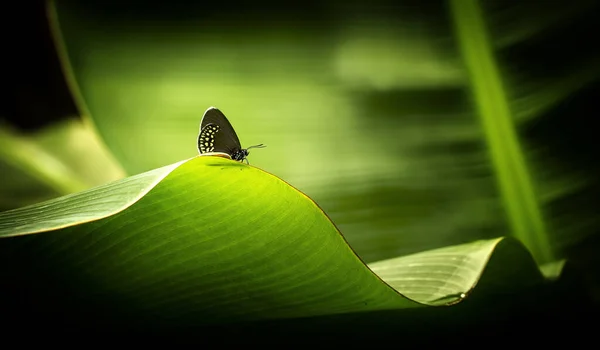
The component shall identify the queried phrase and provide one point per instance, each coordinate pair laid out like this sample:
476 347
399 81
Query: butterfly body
240 155
217 135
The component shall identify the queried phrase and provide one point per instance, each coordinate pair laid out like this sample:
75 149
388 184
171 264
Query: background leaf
516 188
61 159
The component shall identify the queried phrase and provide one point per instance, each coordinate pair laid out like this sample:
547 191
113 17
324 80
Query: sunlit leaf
213 240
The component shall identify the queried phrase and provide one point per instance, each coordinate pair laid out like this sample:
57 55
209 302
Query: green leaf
212 240
81 207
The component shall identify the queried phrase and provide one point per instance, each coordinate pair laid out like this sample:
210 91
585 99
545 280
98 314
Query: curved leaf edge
10 226
157 175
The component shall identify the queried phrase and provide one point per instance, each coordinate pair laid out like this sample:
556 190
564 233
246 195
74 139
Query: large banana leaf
211 240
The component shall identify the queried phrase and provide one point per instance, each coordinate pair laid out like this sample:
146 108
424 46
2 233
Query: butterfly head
242 154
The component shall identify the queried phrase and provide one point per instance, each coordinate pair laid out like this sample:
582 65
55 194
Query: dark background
36 95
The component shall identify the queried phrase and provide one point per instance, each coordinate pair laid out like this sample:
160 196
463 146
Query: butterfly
217 135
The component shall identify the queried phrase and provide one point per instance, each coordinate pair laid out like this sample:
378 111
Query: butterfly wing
217 134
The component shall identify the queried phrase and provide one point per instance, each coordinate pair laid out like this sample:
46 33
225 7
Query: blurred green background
413 125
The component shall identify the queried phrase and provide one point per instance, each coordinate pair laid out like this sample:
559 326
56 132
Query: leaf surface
211 240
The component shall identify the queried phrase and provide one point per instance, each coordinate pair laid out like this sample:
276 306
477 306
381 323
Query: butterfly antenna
257 146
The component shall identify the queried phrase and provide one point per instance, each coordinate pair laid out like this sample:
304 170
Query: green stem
515 185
